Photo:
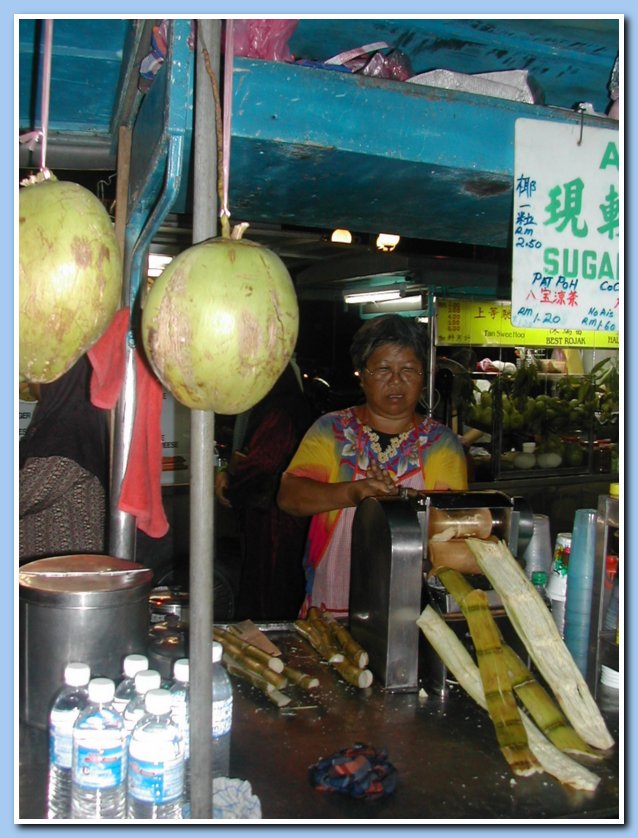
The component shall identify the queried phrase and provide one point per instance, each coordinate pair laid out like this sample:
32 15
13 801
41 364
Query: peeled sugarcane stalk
276 696
309 631
536 628
543 709
300 679
323 632
238 643
459 662
276 679
501 703
353 674
352 650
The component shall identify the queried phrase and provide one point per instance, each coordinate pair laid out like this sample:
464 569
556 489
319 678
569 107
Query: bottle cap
217 651
101 690
147 679
77 674
157 702
181 670
614 490
539 577
134 664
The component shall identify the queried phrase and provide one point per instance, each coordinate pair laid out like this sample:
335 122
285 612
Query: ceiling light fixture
372 296
387 241
342 236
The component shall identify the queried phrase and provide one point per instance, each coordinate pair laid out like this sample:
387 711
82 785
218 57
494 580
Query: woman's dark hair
391 328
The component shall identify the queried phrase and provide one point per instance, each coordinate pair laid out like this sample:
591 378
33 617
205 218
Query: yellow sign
479 323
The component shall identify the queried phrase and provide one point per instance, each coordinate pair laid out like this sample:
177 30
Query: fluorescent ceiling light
412 303
372 296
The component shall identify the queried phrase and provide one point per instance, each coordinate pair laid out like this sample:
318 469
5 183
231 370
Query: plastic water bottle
156 762
222 714
69 702
147 679
539 581
125 690
180 713
99 759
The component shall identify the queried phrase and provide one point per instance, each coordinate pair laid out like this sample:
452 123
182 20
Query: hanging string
31 138
46 94
229 51
222 124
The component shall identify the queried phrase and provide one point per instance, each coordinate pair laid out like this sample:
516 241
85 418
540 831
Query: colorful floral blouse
339 447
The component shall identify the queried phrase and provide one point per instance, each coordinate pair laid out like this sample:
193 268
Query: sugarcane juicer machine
397 543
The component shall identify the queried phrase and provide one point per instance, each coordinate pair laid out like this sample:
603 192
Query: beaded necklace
385 446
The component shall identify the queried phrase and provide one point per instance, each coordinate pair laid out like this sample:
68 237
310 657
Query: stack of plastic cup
580 578
538 555
557 581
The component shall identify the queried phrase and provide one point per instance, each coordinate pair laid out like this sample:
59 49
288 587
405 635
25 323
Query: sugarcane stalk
276 679
501 703
353 674
459 663
323 633
233 640
300 679
309 633
534 625
352 650
543 709
272 693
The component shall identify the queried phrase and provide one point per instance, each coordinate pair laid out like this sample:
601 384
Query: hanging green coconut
220 324
70 276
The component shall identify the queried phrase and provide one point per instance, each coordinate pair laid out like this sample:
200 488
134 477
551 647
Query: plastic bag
370 60
263 38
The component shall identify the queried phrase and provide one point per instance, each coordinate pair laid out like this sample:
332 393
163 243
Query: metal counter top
449 766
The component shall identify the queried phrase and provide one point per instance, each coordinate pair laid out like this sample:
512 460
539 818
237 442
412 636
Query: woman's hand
221 487
378 482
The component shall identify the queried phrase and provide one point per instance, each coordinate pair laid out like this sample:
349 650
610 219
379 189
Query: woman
365 451
271 584
64 457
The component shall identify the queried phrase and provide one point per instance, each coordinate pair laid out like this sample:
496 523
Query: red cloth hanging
141 490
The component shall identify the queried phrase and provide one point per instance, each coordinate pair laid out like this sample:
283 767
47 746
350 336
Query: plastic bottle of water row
125 690
156 763
222 714
147 679
180 713
68 704
99 759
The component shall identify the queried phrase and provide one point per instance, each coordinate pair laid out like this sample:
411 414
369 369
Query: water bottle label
155 782
61 737
180 717
99 767
222 716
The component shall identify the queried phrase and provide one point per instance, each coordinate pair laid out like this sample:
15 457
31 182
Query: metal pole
202 531
432 370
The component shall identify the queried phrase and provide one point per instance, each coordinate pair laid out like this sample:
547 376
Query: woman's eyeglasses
407 374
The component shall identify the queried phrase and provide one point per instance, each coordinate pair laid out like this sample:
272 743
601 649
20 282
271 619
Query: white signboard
566 271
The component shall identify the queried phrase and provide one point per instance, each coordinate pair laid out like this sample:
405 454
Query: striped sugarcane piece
535 626
459 663
501 703
543 709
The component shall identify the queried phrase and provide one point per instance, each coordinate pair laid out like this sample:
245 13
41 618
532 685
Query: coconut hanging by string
220 323
70 267
70 274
